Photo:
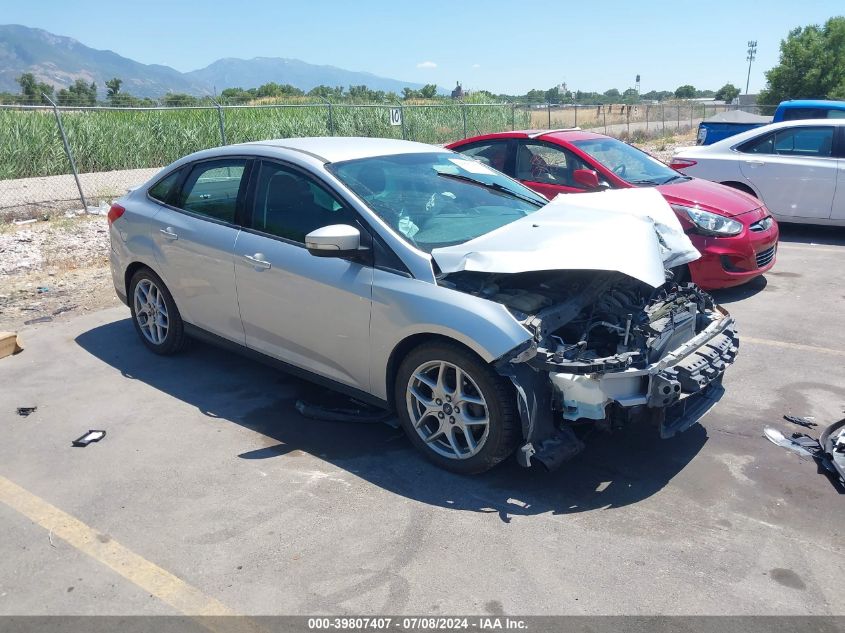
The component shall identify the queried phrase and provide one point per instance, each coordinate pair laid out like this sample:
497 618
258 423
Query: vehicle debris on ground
828 451
10 344
93 435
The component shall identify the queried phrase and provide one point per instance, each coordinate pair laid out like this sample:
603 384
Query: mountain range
60 61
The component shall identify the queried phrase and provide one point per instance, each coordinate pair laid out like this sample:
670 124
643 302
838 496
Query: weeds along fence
114 149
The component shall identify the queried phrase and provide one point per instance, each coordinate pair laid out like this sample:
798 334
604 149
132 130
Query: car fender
404 308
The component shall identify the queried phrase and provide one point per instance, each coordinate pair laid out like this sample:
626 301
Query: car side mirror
586 178
335 240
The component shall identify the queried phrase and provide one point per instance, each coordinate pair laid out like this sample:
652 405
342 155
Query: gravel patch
32 197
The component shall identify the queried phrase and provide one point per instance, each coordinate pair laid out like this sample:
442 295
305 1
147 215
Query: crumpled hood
631 231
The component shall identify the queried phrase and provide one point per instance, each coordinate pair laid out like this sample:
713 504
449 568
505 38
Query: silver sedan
421 281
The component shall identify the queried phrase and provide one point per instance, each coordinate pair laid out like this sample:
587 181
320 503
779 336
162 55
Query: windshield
627 162
437 199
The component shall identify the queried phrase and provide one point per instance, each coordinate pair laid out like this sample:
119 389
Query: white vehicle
797 168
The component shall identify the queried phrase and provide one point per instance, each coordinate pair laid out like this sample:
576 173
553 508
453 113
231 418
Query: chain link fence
73 159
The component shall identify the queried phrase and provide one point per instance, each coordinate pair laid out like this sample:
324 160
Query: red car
733 231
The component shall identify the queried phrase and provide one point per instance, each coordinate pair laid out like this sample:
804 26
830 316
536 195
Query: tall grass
106 140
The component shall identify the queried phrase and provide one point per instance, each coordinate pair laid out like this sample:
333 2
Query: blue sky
502 46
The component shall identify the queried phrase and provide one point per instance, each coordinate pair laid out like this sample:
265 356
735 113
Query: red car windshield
627 162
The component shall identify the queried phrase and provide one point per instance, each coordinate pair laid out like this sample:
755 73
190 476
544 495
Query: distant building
458 92
747 103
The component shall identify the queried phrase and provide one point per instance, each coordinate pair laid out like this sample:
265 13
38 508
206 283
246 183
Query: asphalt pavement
211 494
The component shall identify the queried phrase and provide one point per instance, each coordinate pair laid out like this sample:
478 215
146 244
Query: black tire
503 429
175 339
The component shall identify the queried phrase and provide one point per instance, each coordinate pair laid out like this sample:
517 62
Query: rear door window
491 153
212 189
804 141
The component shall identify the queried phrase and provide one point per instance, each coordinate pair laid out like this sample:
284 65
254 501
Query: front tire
455 409
154 314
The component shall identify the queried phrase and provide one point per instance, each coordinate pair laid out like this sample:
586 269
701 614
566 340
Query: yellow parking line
784 344
148 576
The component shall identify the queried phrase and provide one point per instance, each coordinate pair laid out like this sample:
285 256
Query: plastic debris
25 411
44 319
806 422
30 221
92 435
9 344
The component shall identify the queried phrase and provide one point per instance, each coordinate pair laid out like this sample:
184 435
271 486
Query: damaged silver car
490 319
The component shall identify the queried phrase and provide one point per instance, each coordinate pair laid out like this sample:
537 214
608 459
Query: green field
106 140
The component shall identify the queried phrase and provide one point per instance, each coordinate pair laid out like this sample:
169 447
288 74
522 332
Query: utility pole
752 50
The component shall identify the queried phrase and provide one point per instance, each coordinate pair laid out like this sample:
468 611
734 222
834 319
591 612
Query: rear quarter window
163 190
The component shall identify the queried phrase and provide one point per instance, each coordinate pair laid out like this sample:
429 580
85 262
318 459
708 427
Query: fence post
628 119
604 112
663 117
678 112
646 118
549 108
464 116
221 121
575 107
691 107
331 116
513 117
67 151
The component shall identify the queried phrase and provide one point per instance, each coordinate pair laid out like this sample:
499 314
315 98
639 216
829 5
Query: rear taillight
115 212
681 163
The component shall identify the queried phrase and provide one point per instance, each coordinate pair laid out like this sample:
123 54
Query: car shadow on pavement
738 293
811 234
614 471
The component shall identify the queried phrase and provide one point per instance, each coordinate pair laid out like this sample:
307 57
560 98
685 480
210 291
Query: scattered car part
44 319
92 435
25 411
806 422
10 344
828 451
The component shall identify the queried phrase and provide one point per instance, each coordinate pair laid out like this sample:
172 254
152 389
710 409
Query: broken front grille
764 258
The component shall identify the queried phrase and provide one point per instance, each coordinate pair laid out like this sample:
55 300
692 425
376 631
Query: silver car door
793 170
195 241
311 312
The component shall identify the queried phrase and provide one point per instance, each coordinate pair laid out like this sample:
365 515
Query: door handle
169 234
755 163
257 261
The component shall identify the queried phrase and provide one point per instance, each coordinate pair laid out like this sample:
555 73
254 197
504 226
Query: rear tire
455 409
155 315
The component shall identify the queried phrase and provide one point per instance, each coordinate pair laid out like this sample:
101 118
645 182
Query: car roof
565 134
332 149
812 103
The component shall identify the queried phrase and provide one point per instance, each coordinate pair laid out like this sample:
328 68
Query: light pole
752 50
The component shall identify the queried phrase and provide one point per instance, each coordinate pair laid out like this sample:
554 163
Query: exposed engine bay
607 348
